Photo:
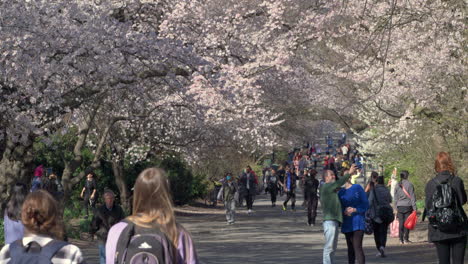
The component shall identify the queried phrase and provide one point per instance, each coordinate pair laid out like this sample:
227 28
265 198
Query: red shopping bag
394 228
410 222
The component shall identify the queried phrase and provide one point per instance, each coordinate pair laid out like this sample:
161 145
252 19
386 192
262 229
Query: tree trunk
120 181
16 166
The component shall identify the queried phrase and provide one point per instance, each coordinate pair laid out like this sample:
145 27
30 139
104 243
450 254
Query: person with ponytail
153 209
43 232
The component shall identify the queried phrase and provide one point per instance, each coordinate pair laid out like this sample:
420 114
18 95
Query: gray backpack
33 253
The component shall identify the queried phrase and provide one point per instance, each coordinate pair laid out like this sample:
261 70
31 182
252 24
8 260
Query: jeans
230 210
102 253
331 230
454 248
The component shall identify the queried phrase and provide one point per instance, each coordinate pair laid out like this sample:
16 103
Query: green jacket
331 205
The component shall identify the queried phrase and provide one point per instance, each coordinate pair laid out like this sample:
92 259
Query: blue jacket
353 197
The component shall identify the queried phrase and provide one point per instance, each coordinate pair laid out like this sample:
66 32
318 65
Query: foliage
418 157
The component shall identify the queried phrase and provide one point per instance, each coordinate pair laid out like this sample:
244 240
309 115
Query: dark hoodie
457 185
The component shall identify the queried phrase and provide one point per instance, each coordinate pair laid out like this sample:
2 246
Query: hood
443 176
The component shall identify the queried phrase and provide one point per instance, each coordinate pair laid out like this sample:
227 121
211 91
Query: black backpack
445 213
384 212
32 253
139 245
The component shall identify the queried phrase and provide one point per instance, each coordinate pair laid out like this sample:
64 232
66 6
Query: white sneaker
249 211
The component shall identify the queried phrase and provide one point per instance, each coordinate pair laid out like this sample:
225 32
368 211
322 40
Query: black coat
457 185
310 188
104 219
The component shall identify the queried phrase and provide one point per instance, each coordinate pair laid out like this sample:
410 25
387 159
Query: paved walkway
270 235
273 236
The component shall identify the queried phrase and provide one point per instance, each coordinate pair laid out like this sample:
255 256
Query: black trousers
249 193
273 193
312 203
403 213
380 234
355 251
454 248
290 196
87 202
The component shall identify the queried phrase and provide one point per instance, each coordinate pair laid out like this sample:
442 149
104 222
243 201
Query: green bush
199 188
180 178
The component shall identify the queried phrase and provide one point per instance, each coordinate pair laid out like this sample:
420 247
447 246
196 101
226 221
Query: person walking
281 175
372 182
105 217
405 203
310 195
380 201
272 182
451 244
153 214
228 193
332 212
289 188
355 204
89 193
13 228
248 183
43 233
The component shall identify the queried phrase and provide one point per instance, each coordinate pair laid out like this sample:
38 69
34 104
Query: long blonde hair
152 203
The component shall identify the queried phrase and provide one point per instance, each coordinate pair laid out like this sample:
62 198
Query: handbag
410 222
394 228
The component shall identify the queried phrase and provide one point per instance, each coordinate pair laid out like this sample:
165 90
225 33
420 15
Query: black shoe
382 252
408 242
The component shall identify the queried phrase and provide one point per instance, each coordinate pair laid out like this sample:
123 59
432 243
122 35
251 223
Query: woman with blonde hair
152 217
450 244
43 232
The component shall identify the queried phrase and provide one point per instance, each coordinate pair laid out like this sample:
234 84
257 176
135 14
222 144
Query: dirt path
270 235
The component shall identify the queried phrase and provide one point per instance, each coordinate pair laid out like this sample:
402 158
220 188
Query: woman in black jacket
449 244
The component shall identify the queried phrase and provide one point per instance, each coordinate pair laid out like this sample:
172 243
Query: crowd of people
354 210
34 228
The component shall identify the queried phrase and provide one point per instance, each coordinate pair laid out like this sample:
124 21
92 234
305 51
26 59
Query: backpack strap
124 240
16 248
51 248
